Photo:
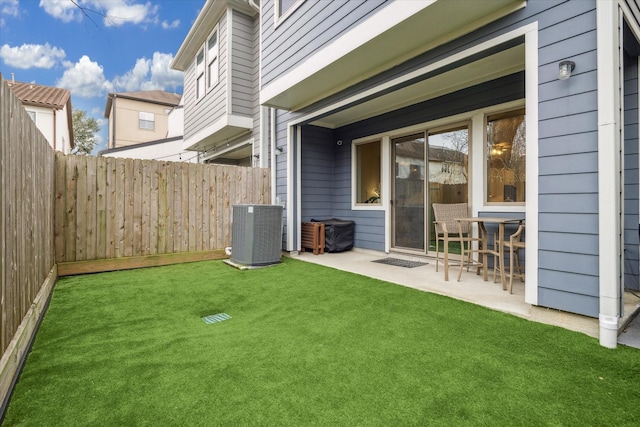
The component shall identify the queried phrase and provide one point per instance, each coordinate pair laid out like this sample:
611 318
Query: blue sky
107 46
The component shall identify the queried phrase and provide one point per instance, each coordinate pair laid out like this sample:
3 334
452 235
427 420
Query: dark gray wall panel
242 64
577 183
570 282
565 242
580 264
567 301
568 144
631 172
582 163
562 222
317 173
580 203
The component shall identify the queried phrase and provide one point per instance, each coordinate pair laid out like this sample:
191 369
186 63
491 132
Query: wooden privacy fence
110 208
26 230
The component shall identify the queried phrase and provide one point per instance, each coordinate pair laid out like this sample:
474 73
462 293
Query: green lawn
306 345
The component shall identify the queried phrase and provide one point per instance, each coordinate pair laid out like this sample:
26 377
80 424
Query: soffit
482 70
437 24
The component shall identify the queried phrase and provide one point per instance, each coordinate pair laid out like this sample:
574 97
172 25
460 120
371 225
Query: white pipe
608 331
272 142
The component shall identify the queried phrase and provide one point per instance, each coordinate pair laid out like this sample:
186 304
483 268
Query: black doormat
400 262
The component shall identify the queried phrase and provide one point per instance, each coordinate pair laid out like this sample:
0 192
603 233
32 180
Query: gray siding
311 27
255 84
242 64
209 109
568 162
631 175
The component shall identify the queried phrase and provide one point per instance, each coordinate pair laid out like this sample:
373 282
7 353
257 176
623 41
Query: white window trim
210 85
358 206
511 206
144 116
199 96
279 18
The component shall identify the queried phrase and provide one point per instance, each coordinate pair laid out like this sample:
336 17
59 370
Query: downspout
272 142
609 84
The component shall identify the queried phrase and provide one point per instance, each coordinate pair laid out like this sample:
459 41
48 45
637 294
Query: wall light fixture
566 67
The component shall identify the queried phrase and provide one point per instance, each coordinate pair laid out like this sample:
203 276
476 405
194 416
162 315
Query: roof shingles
37 95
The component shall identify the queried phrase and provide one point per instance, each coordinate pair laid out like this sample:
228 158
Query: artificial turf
305 345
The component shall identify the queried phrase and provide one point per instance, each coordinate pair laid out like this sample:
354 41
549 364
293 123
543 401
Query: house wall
47 120
498 91
127 127
311 27
44 121
631 175
198 114
242 64
567 145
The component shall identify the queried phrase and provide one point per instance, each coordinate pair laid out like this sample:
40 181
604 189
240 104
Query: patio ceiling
500 64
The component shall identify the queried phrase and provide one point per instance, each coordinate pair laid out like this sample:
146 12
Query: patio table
484 250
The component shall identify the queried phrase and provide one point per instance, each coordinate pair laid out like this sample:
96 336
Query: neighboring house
137 117
220 61
544 92
50 109
168 148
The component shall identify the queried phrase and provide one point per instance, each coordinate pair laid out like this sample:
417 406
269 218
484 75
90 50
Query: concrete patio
472 288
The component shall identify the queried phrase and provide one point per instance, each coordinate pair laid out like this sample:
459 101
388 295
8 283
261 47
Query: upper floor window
200 82
212 60
146 120
506 157
285 8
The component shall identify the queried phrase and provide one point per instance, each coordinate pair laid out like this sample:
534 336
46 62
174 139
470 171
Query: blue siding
631 176
310 28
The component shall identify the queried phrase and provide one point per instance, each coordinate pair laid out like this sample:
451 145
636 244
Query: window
285 8
212 60
368 172
146 120
200 90
506 157
32 114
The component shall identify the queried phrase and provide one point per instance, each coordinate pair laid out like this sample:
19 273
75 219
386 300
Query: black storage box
338 234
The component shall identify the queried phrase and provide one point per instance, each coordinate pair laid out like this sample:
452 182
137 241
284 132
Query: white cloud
114 13
63 10
31 55
9 7
120 12
85 79
150 74
167 25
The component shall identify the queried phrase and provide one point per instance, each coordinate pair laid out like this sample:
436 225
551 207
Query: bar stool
514 244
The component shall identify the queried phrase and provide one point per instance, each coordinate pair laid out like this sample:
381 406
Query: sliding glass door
408 192
418 183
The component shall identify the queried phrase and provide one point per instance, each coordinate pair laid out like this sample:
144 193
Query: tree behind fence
110 208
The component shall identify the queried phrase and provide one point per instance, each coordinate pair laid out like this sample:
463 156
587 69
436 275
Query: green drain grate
215 318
